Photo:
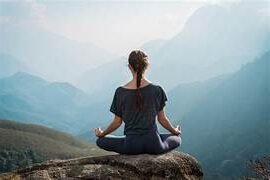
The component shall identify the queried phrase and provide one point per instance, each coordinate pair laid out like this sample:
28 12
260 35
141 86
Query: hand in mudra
99 132
178 130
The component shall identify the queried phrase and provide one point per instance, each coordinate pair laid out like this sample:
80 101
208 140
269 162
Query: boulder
171 165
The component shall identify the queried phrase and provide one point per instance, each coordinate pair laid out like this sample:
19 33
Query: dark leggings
151 143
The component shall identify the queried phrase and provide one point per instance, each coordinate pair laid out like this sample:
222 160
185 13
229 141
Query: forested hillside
231 124
24 144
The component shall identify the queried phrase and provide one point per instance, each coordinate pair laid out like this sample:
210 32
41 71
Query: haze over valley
212 59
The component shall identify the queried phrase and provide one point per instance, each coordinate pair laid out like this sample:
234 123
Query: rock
172 165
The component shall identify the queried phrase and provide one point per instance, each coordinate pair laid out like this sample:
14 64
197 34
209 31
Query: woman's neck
144 80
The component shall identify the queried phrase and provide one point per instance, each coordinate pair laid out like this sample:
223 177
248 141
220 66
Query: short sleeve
116 106
162 99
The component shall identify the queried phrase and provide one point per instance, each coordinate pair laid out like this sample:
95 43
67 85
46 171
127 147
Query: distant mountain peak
26 76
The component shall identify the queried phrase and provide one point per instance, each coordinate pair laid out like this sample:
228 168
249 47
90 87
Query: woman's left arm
116 123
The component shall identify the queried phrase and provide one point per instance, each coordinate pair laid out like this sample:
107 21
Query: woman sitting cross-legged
138 104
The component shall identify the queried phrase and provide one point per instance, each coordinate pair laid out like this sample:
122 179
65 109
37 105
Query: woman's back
139 121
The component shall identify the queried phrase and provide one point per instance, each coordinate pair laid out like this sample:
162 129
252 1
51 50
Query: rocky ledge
172 165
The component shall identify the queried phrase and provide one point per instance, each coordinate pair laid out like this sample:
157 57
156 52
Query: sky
117 26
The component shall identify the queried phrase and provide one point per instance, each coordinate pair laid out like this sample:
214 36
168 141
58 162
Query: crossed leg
170 141
121 144
111 143
118 144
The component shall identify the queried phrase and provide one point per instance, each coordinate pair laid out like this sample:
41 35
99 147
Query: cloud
15 9
25 13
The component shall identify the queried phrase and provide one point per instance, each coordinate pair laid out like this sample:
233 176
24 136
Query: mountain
24 144
231 124
215 40
28 98
10 65
104 79
151 47
49 55
184 97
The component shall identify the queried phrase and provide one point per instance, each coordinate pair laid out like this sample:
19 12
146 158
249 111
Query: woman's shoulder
157 86
151 86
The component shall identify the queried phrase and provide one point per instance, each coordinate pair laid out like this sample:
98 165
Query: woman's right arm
165 122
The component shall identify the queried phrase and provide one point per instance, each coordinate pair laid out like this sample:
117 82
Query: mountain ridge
26 97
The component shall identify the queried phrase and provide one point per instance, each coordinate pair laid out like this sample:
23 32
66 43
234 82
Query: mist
61 62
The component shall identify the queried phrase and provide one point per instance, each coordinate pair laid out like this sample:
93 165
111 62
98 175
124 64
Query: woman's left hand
99 132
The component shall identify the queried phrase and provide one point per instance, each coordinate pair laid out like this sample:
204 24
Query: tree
260 168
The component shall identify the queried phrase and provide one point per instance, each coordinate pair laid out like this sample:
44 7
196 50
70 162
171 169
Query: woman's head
138 63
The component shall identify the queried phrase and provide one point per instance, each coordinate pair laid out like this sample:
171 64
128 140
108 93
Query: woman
138 103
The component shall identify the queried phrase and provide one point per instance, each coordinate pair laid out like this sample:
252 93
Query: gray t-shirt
138 122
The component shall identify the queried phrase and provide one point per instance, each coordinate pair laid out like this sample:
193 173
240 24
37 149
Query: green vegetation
260 168
24 144
15 158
